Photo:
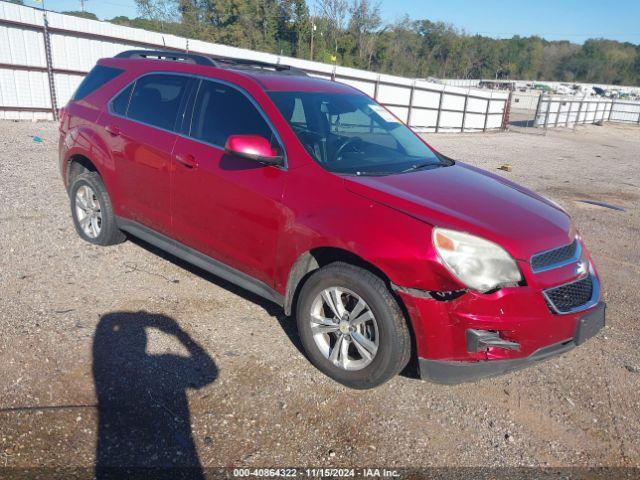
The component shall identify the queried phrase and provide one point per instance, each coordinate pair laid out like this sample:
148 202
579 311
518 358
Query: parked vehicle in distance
311 194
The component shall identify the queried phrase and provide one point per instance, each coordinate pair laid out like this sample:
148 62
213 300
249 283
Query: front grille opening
565 298
553 257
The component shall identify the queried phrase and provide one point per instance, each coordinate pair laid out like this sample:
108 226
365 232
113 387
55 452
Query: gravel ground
248 397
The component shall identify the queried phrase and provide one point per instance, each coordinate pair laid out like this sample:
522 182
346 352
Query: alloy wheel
88 211
344 328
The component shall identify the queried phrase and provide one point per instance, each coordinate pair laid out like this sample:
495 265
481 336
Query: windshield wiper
420 166
371 174
383 173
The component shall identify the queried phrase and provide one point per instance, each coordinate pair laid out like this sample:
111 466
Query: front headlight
478 263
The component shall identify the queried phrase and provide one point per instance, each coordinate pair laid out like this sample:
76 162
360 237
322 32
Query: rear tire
370 342
92 211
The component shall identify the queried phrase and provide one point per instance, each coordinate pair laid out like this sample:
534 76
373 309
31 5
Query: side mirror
253 147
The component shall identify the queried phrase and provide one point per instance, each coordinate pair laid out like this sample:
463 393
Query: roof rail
245 63
168 55
220 62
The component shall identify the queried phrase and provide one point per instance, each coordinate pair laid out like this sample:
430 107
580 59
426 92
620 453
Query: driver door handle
187 160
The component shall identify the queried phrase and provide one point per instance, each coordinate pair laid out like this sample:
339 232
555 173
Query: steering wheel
351 141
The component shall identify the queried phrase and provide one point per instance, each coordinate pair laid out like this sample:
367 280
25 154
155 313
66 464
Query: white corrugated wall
77 43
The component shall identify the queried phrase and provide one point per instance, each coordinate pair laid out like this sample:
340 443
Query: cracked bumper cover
519 315
452 372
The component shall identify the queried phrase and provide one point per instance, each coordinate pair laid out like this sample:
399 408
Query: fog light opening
481 340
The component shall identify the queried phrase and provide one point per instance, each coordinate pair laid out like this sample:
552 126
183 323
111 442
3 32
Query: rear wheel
351 327
92 211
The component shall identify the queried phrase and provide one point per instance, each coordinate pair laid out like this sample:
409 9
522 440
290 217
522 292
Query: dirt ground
218 372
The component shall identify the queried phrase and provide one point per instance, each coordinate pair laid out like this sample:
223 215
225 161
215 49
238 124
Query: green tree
352 33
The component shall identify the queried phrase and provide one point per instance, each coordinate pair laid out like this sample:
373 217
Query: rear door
141 123
224 206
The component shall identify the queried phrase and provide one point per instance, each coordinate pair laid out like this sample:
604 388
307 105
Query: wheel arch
316 258
85 150
78 164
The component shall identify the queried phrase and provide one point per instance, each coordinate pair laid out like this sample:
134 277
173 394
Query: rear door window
221 111
156 100
97 77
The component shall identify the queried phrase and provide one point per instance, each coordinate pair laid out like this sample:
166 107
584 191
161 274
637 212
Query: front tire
351 327
92 211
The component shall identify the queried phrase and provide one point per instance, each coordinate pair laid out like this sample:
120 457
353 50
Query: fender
357 226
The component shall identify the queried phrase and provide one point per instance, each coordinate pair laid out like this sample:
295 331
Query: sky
574 20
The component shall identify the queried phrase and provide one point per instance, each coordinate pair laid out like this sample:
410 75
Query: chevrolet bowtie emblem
581 267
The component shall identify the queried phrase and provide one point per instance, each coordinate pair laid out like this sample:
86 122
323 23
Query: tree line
352 33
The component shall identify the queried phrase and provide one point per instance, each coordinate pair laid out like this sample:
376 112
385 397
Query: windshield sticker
384 113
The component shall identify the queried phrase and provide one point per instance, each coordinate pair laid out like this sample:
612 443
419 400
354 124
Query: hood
468 199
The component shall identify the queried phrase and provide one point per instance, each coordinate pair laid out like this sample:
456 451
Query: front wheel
351 327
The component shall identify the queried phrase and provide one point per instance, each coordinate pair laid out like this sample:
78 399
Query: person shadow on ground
144 424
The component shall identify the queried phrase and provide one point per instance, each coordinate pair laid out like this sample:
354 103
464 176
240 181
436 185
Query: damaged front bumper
459 372
475 335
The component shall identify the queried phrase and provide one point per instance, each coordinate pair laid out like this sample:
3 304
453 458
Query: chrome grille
556 257
571 296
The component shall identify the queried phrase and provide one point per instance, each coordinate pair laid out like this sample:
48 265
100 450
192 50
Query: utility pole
82 5
313 29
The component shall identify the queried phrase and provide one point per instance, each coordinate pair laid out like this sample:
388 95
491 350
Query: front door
224 206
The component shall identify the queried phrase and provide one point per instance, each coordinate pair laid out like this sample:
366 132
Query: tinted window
121 102
156 100
183 124
222 111
96 78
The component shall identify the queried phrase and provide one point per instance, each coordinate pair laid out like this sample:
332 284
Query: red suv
309 193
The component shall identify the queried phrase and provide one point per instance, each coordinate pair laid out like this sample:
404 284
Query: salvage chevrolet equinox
309 193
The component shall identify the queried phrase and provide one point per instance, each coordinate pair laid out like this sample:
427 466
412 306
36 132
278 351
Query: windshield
352 134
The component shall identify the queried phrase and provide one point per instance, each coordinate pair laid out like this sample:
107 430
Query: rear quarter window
120 104
96 78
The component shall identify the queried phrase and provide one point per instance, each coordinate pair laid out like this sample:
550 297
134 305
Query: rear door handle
112 130
187 160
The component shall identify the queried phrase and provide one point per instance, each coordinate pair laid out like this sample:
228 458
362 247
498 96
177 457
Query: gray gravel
267 405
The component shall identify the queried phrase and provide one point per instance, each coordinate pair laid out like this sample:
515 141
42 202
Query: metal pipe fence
565 112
